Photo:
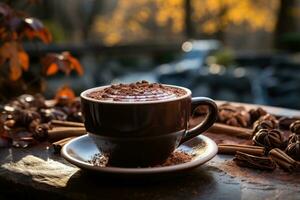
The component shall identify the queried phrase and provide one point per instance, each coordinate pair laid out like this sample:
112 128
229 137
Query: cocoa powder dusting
139 91
177 157
99 160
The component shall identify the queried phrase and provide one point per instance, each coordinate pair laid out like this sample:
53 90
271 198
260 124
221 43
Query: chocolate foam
137 92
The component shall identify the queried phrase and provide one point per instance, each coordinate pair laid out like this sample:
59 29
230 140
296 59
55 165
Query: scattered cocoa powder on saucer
177 157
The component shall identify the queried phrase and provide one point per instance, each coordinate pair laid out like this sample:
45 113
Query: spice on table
232 149
177 157
265 122
41 131
269 138
293 150
28 113
233 115
256 162
284 161
295 127
256 113
57 146
293 138
231 130
59 133
99 160
66 123
285 122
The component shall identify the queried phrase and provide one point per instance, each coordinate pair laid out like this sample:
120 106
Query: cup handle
209 120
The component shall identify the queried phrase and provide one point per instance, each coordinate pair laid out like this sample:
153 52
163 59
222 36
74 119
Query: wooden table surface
36 173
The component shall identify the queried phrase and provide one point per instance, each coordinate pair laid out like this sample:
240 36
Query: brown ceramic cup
139 134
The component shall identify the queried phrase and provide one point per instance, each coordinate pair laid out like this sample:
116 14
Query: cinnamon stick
283 160
231 130
282 155
66 123
257 162
231 149
284 164
57 146
59 133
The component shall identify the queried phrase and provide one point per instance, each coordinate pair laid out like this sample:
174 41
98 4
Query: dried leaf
24 60
74 63
17 57
65 92
34 28
52 69
65 62
15 69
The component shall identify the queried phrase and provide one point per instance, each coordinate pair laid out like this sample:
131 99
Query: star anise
293 138
265 122
293 150
295 127
269 138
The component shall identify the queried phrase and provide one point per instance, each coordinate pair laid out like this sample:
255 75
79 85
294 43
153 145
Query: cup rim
85 92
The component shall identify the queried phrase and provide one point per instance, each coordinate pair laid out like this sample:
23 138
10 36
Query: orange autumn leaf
52 69
34 28
15 70
65 62
65 92
74 63
24 60
18 59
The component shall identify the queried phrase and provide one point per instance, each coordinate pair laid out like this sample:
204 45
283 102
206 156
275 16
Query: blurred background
245 51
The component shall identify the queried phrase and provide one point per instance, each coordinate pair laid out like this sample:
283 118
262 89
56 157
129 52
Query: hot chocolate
136 92
130 122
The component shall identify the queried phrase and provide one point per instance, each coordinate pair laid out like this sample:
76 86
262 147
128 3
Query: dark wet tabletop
36 173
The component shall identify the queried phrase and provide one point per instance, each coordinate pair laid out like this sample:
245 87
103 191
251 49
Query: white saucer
79 150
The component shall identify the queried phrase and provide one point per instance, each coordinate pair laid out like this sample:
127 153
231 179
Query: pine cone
269 138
